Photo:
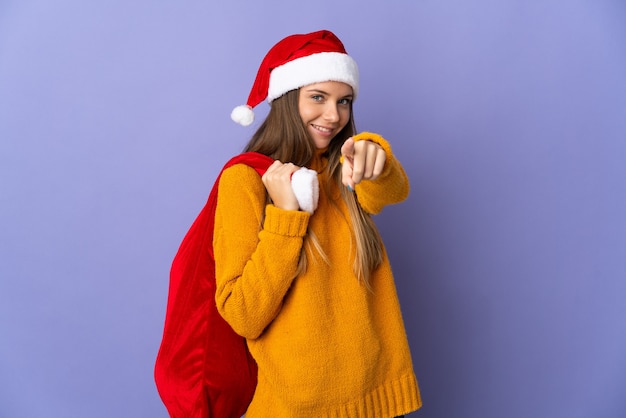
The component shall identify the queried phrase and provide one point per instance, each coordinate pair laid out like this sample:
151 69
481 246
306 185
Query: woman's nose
331 113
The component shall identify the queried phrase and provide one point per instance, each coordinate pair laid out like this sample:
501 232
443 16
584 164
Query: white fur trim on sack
305 186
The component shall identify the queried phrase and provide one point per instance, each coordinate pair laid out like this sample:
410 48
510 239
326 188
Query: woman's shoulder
240 178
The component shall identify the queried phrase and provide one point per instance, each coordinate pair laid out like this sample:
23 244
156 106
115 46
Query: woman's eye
317 97
344 101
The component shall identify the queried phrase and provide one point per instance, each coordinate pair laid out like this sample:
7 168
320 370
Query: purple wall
510 254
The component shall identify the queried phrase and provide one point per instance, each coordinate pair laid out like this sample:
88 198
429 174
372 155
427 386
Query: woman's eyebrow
326 93
317 91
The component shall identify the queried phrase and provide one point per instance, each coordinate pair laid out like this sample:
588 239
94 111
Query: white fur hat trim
316 68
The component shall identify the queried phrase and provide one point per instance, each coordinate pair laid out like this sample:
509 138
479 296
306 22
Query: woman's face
325 110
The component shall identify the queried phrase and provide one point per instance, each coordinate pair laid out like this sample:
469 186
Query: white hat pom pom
243 115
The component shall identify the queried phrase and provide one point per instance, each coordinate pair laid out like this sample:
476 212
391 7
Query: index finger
347 149
358 164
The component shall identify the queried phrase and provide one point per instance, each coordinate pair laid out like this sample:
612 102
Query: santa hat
297 61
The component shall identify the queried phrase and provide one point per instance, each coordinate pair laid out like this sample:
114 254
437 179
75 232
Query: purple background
510 254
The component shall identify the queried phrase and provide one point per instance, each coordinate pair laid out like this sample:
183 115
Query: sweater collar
319 160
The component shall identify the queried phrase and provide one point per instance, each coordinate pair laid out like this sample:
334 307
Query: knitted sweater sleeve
254 266
392 186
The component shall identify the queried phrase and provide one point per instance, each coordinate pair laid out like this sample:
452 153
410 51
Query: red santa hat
297 61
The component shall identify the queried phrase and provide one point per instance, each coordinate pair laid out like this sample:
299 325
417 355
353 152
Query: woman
312 291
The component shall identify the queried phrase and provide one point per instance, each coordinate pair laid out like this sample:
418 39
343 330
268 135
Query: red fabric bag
203 368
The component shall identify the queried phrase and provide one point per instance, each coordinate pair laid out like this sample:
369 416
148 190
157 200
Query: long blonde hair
283 136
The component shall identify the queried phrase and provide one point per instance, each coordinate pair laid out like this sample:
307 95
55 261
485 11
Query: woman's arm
254 266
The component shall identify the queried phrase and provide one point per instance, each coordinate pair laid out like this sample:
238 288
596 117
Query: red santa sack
203 368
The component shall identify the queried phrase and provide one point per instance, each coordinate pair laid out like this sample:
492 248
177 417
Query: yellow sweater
324 344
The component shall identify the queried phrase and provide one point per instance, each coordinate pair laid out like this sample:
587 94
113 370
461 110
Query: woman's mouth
322 130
